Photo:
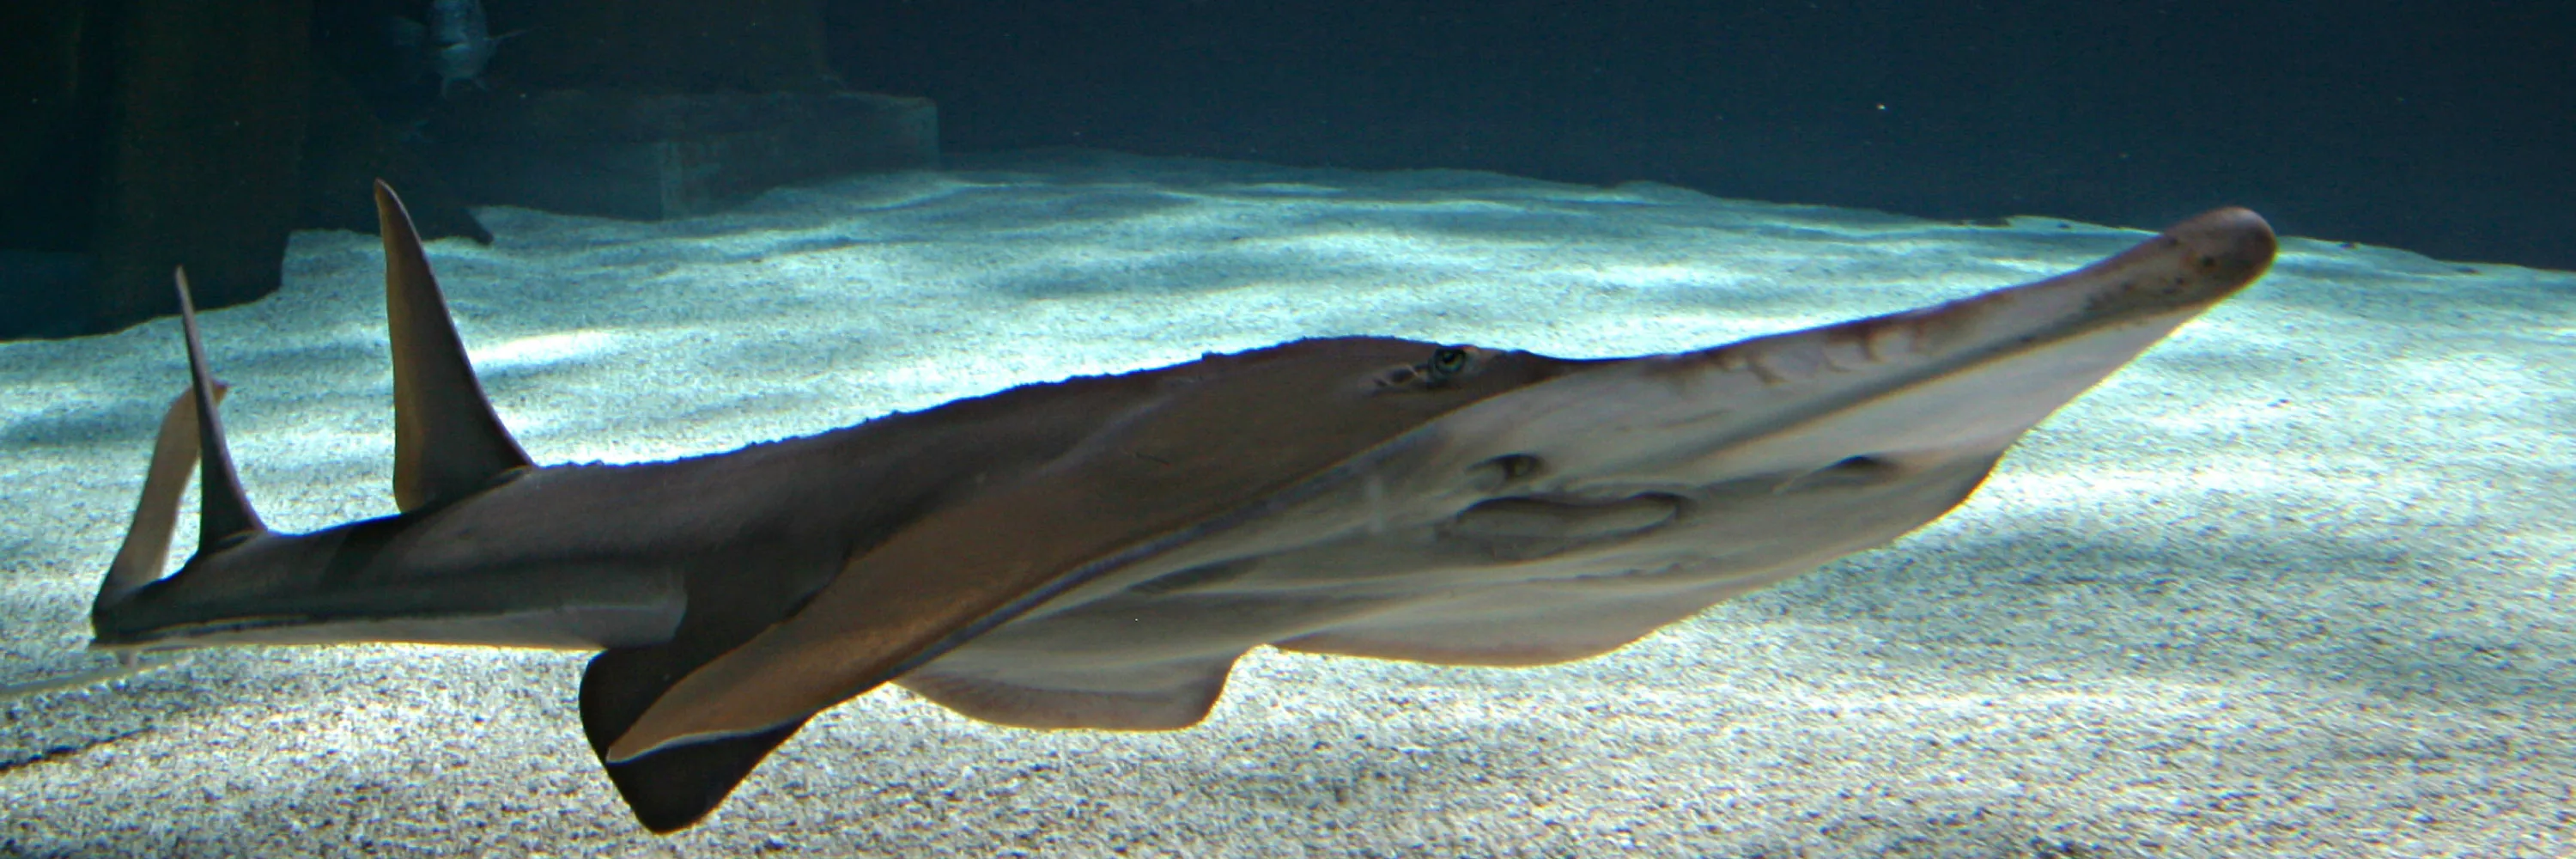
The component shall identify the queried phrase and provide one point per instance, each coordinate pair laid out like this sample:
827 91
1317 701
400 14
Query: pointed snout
2228 244
2191 264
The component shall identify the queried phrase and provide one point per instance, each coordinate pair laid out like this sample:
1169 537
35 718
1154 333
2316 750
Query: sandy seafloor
2298 583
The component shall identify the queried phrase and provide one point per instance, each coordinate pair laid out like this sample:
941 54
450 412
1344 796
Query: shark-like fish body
1097 552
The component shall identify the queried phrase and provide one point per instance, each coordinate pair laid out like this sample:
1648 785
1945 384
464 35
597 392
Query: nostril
1848 471
1860 463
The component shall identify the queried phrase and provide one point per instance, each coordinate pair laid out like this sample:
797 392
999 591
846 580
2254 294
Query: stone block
205 117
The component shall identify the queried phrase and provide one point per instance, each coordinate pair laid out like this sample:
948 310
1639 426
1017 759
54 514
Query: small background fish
459 42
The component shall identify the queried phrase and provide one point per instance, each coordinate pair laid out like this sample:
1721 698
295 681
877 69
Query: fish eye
1447 361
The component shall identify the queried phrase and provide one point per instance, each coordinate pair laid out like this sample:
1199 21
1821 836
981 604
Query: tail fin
448 443
156 514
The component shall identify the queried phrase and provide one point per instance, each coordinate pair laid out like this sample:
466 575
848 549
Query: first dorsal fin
447 441
224 512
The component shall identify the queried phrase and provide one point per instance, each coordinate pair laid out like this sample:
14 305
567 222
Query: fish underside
1097 552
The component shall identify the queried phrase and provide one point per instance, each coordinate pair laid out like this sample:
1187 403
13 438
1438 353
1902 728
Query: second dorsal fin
447 441
224 513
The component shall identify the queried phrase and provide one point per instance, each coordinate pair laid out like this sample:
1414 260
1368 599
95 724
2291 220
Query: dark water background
2446 127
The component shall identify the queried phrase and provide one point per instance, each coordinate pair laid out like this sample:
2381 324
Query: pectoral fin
933 587
1165 696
